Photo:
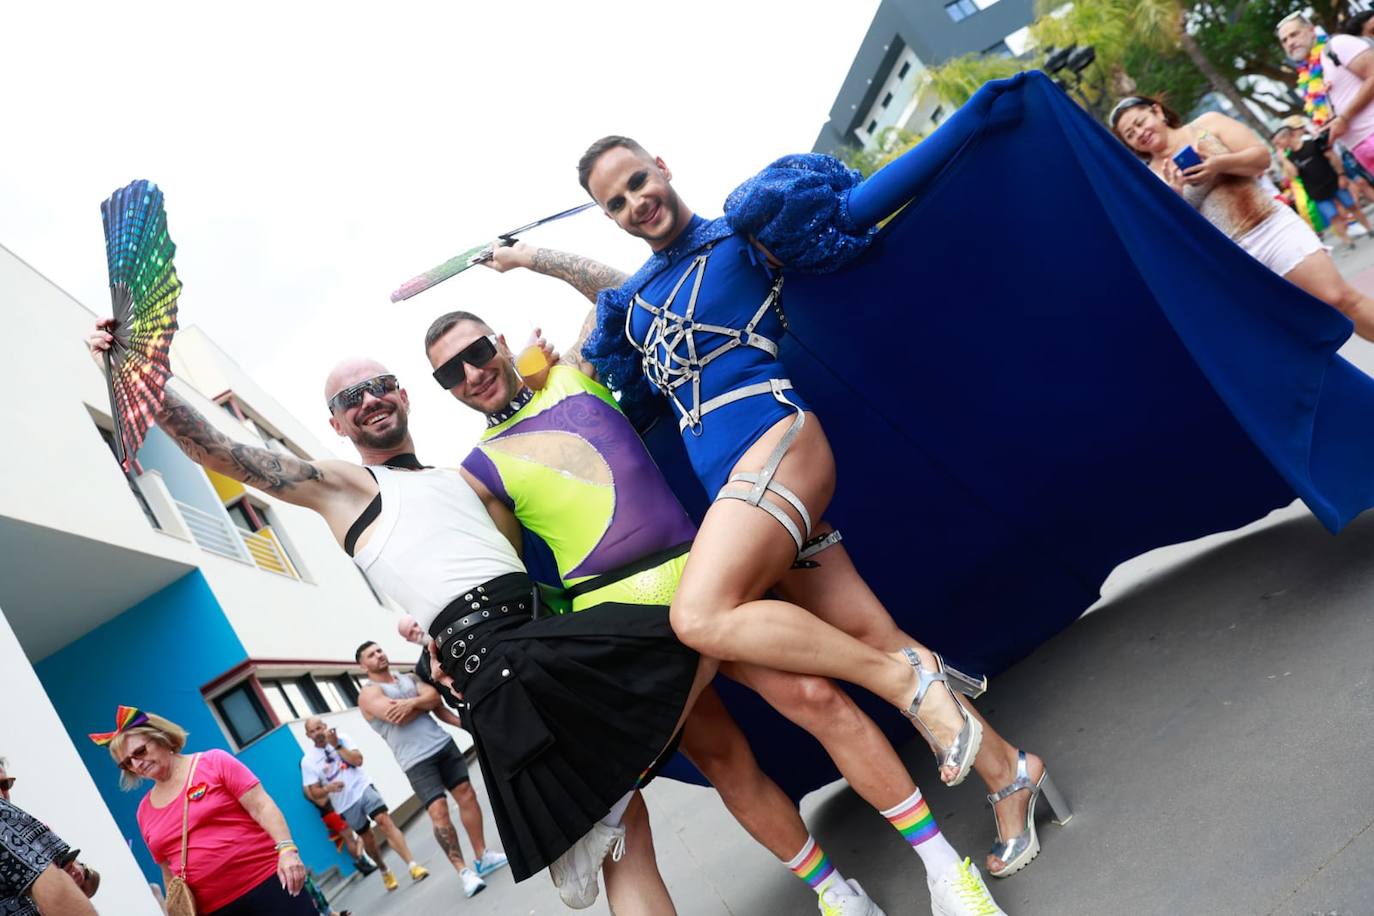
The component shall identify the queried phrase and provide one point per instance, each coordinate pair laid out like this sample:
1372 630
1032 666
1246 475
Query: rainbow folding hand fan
143 292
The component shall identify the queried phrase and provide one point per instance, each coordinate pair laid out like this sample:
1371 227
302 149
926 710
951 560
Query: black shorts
268 899
434 776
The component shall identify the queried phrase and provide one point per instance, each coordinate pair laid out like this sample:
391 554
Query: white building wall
53 785
59 473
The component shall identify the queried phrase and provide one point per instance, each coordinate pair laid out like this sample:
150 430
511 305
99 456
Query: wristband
285 849
287 842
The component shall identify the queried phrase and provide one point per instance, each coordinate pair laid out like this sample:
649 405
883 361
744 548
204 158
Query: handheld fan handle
114 412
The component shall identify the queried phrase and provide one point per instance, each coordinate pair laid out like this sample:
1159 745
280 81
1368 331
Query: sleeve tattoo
586 276
212 449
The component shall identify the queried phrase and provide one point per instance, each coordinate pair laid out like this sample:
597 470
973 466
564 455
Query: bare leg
352 842
634 886
714 743
470 813
374 849
741 551
1318 275
445 833
1355 211
1338 225
393 835
835 592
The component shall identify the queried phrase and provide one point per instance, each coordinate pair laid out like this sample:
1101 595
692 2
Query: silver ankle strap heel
1016 853
959 755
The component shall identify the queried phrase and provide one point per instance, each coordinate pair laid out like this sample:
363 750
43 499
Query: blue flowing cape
1046 364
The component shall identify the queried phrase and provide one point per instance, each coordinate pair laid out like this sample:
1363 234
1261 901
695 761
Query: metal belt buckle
471 664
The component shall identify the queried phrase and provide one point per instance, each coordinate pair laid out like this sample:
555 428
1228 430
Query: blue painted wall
156 655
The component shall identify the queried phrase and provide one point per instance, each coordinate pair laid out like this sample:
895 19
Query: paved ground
1212 722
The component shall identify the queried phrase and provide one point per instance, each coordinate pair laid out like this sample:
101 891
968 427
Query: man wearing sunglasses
444 554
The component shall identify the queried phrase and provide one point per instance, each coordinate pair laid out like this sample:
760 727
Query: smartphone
67 858
1186 158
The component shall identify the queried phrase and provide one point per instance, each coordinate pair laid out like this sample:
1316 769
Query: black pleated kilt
567 713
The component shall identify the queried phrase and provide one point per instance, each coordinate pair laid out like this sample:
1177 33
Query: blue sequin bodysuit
701 320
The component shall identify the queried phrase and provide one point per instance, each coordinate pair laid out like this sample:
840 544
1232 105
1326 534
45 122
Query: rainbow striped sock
916 824
813 866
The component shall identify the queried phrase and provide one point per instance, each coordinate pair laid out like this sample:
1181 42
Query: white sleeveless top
433 541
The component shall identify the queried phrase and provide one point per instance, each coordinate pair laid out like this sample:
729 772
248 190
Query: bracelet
283 850
282 844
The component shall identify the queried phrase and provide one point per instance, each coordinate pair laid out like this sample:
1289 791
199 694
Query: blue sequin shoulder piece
797 208
617 363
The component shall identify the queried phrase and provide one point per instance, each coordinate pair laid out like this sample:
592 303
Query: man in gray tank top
398 708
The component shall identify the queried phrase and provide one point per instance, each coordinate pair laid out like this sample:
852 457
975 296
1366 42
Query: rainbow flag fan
143 291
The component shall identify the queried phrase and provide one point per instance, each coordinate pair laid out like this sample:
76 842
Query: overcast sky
314 156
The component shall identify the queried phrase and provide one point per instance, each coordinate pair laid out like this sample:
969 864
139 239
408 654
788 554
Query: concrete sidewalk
1211 721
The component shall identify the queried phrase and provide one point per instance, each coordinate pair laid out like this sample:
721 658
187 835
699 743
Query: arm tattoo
212 449
586 276
574 355
447 835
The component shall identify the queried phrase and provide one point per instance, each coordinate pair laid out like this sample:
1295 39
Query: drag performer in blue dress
700 324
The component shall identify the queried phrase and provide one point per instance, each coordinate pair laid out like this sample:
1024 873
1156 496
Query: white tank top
433 541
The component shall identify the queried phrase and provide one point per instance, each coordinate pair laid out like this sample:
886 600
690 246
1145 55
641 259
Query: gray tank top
419 738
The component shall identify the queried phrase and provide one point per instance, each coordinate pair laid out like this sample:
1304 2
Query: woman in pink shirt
240 859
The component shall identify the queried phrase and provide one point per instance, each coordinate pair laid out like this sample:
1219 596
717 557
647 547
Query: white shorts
1282 241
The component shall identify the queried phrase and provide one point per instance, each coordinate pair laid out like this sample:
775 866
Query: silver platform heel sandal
1017 852
961 753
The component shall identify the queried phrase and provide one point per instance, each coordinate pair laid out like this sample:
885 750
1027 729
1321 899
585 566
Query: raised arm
315 485
586 276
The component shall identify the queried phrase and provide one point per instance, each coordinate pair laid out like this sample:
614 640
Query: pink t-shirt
1342 84
229 852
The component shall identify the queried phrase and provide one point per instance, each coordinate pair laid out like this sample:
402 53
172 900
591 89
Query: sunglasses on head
137 753
476 354
1125 105
378 386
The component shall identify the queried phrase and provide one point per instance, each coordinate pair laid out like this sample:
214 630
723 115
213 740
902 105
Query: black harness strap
406 462
626 571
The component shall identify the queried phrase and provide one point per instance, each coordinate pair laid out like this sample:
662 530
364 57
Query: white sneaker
960 891
574 873
491 860
472 885
835 903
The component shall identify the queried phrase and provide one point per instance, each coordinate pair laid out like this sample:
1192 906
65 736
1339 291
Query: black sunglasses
8 783
137 753
476 354
378 386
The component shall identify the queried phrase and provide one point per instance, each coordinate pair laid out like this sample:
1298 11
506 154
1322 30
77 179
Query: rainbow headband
126 717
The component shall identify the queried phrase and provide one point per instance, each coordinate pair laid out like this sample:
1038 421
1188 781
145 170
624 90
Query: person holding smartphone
1214 163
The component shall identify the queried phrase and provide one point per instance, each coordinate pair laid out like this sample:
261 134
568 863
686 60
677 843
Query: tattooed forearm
574 356
588 277
447 835
210 448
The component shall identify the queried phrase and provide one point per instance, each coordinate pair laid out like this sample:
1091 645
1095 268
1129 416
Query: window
339 692
133 487
906 68
887 100
276 697
937 115
959 10
872 126
245 515
243 714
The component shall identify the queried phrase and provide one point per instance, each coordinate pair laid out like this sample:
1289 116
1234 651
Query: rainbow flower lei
1311 84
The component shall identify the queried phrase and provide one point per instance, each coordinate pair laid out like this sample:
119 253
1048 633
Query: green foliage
894 141
1138 48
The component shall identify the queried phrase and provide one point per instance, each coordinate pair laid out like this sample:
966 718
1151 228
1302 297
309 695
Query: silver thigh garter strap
768 494
673 362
